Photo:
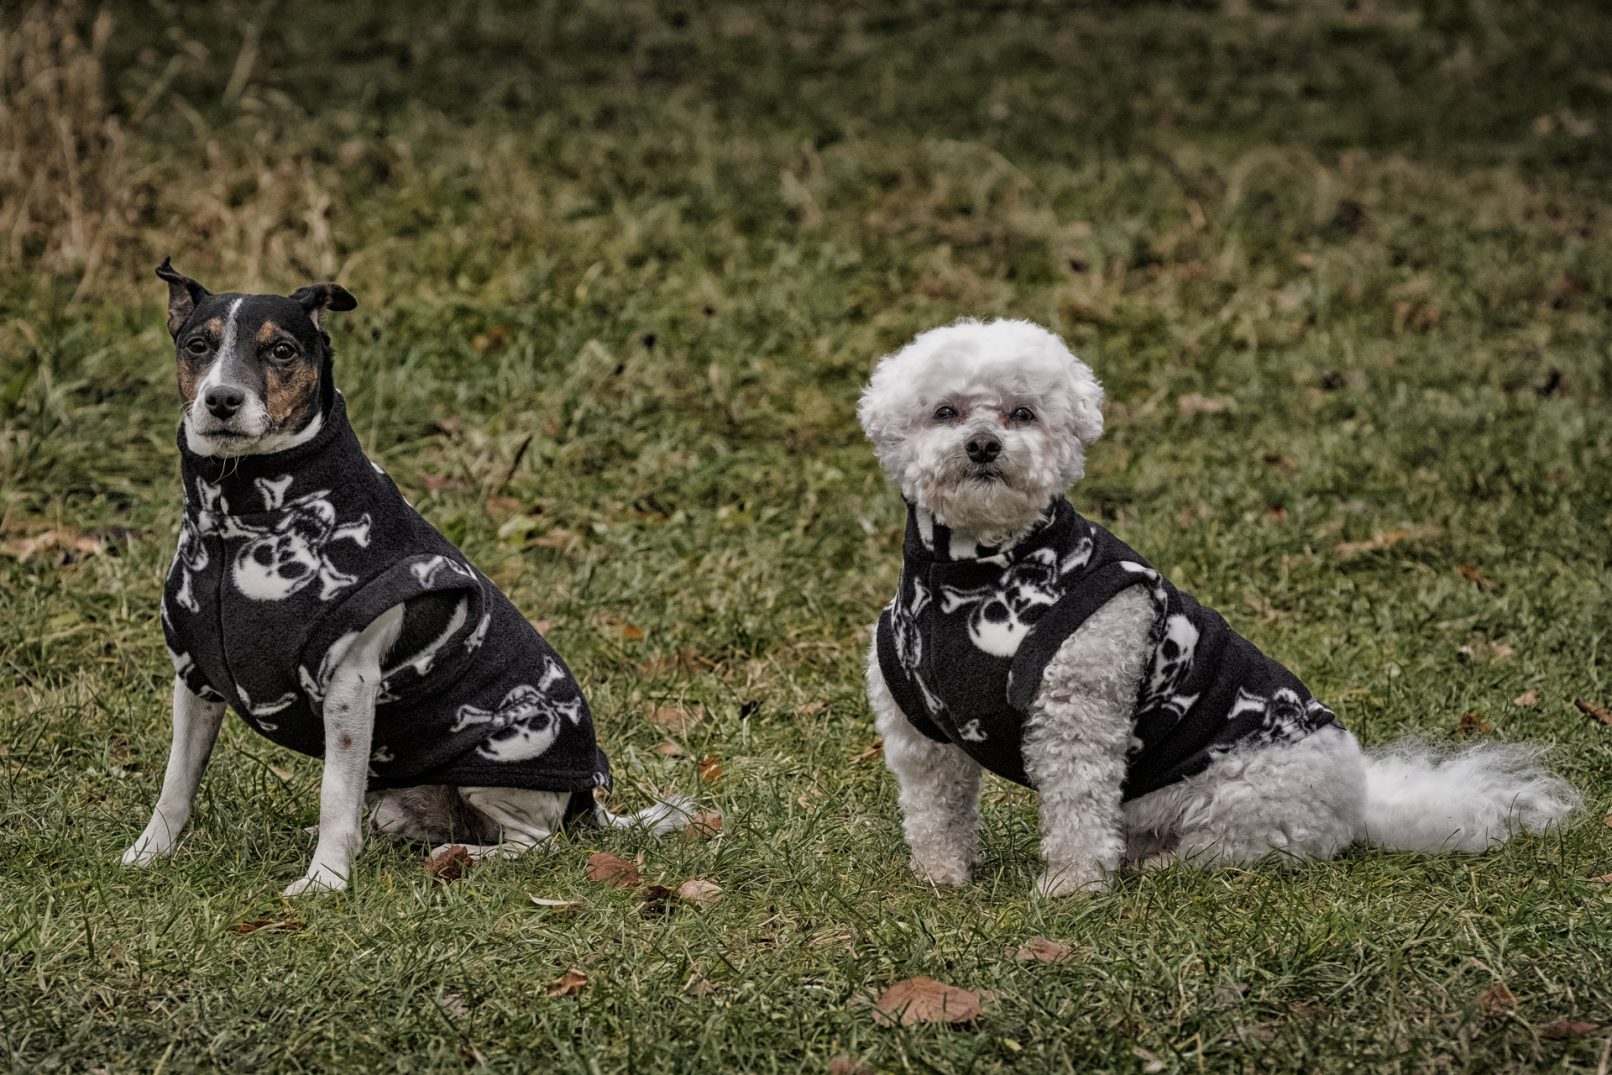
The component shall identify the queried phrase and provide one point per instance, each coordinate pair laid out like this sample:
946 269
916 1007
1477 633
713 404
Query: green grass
664 243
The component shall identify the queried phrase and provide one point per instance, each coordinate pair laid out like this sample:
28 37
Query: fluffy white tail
1423 798
668 815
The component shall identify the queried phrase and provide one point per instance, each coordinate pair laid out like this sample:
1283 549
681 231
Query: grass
622 270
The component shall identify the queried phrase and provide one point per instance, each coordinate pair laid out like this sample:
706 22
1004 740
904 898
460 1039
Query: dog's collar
928 539
334 449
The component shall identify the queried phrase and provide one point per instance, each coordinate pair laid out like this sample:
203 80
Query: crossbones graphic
1171 661
909 641
286 556
527 722
1000 615
190 558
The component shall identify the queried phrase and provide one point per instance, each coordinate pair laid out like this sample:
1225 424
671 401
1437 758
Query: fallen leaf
1496 1000
1495 651
1041 950
1609 821
1568 1028
572 981
1477 578
448 864
1527 699
710 769
1194 403
1151 1064
65 544
702 893
268 925
704 826
1590 709
669 750
923 1000
872 751
499 505
541 625
676 719
810 708
1603 881
701 988
557 906
613 870
848 1065
628 631
453 1005
1474 724
1383 539
658 899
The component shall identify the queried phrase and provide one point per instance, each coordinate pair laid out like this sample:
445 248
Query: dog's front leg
938 788
196 721
1076 741
349 715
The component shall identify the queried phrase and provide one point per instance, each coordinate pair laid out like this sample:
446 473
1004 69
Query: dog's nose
983 448
224 400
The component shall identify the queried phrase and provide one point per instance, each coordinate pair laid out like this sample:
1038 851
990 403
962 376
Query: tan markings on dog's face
292 394
215 326
267 332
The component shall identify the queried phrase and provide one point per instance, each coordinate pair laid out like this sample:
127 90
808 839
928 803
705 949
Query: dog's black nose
224 400
983 448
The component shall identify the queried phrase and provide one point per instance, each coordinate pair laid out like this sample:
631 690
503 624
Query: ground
1344 268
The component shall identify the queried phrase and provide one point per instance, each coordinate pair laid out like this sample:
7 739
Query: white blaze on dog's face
983 423
254 370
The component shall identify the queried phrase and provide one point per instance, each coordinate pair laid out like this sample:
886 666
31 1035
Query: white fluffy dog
1029 641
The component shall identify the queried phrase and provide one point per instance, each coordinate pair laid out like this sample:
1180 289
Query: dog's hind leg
349 716
521 818
937 785
196 723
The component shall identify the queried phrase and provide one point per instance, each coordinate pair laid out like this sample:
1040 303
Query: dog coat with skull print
965 642
285 558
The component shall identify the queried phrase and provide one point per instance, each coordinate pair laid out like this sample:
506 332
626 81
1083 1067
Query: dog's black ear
184 295
317 298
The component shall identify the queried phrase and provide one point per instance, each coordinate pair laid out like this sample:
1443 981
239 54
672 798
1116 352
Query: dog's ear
317 298
184 295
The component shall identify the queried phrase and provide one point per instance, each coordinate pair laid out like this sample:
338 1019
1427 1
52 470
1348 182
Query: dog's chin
983 502
223 440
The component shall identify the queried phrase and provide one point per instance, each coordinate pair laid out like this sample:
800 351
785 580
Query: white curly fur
1311 798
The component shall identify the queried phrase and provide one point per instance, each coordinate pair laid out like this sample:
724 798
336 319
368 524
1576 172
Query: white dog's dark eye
1023 414
945 413
284 351
196 346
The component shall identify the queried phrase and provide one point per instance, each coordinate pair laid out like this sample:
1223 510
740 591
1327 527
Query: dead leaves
1041 950
572 981
1568 1028
1590 709
873 751
1384 539
559 907
1193 403
1496 1000
64 545
699 892
447 864
1526 700
1473 724
1492 651
676 719
912 1001
704 825
268 925
710 769
613 870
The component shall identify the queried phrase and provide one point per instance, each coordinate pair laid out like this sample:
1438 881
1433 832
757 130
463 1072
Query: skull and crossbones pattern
1001 614
909 640
529 719
290 553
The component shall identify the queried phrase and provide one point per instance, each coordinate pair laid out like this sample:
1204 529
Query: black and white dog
310 597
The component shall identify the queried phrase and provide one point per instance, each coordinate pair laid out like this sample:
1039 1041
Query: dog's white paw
945 873
1062 881
319 879
141 854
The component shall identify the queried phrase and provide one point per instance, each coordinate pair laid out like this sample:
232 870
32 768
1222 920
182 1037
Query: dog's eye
196 346
1023 414
284 351
945 413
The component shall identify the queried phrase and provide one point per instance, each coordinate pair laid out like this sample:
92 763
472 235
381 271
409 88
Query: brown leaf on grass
704 826
1590 709
436 483
268 925
676 719
1527 699
63 545
701 893
700 988
1495 651
453 1005
1609 821
1193 403
631 633
499 505
572 981
448 864
669 750
849 1065
1383 540
710 769
1496 1000
872 751
1041 950
1478 578
807 709
1568 1028
658 900
541 625
613 870
1605 880
1474 724
923 1000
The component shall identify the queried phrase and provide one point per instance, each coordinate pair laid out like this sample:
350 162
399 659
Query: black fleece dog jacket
965 642
284 559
